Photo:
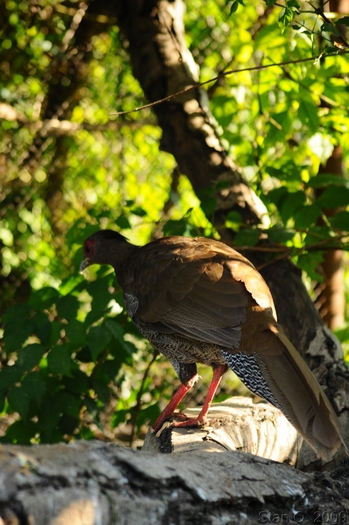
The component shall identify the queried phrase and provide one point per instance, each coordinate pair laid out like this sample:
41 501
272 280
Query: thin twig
224 74
136 409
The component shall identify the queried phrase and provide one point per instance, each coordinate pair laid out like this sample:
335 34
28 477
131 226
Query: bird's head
103 247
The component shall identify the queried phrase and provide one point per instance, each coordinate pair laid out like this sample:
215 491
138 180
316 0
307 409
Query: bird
197 300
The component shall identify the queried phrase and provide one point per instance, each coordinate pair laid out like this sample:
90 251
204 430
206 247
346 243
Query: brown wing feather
181 277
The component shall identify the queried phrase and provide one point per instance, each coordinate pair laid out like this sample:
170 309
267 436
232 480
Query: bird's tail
306 405
280 375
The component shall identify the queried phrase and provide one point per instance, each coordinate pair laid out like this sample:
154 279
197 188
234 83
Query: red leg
216 379
178 396
176 399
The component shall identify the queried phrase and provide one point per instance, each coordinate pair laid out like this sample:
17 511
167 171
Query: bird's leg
216 379
218 372
176 399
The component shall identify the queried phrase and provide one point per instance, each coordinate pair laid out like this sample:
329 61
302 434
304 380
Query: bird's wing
197 288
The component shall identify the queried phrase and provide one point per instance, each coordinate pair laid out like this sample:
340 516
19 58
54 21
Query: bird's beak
84 264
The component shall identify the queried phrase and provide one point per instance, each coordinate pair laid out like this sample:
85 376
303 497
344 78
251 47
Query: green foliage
288 13
62 351
72 364
234 6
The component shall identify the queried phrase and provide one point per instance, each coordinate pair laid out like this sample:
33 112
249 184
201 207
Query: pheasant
200 301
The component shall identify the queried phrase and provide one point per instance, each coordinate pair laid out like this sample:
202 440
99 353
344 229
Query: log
97 483
239 424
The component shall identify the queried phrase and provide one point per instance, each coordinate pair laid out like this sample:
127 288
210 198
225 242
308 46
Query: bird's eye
88 247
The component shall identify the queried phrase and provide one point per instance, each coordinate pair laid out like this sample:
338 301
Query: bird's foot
180 420
189 422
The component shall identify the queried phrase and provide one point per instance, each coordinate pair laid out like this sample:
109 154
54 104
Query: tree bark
94 483
163 65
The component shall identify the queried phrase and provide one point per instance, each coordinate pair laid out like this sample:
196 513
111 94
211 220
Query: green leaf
293 4
120 416
30 355
9 376
323 180
340 221
308 114
15 312
77 383
43 298
20 432
76 333
342 334
101 297
66 403
280 235
307 216
334 197
55 334
309 262
92 408
19 401
233 220
123 222
68 424
109 369
318 233
67 307
16 333
69 284
148 415
138 211
208 201
343 21
279 132
2 401
277 195
179 227
42 327
102 391
84 355
247 237
79 231
292 202
115 329
234 7
328 27
59 360
98 339
35 386
288 171
86 433
48 416
286 17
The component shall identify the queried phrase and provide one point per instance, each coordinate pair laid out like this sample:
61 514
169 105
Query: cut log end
239 424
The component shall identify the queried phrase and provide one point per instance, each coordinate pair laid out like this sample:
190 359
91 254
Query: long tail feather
302 399
272 368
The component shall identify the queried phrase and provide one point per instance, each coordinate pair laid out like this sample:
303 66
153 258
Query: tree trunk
163 65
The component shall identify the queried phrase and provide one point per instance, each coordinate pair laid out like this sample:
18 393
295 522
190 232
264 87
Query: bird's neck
121 254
